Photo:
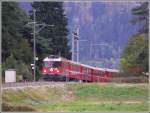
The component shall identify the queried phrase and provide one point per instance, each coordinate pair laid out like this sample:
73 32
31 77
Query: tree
25 71
13 19
141 14
51 40
10 62
21 68
16 49
135 57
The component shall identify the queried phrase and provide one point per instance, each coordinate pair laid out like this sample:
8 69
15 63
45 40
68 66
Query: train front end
51 66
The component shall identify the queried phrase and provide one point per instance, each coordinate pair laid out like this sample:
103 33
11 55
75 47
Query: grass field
78 97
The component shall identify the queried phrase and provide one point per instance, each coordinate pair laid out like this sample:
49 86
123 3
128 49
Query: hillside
105 23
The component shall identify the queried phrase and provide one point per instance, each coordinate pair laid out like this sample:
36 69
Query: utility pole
34 40
34 48
72 46
75 45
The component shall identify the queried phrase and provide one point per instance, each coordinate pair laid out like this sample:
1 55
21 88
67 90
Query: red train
55 67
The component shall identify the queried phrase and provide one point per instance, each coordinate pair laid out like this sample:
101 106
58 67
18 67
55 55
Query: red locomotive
55 67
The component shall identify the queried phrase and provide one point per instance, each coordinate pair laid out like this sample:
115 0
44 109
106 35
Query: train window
52 64
47 64
56 64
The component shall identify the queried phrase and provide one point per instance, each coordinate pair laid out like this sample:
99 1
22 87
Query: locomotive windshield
52 64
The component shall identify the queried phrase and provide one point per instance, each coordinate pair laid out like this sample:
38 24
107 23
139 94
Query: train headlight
45 71
57 71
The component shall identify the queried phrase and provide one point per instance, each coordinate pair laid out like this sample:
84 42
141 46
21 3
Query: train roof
96 68
57 58
52 59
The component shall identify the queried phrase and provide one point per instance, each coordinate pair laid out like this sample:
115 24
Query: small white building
10 75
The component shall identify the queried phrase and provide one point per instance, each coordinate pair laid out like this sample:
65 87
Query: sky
25 6
100 23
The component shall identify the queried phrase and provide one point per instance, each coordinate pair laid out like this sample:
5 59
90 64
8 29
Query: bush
25 71
38 73
22 69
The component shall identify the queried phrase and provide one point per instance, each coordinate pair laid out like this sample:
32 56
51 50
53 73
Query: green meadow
77 97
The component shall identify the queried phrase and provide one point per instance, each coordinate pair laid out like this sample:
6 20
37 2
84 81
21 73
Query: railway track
33 84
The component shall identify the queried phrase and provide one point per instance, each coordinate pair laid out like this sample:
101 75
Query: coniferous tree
141 14
52 39
14 44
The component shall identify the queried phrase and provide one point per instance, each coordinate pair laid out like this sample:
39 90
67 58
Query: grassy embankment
78 97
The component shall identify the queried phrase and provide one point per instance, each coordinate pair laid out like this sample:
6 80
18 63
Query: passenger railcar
55 68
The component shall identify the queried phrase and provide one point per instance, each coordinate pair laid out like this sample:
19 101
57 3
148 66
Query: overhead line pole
34 39
72 46
77 43
34 48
